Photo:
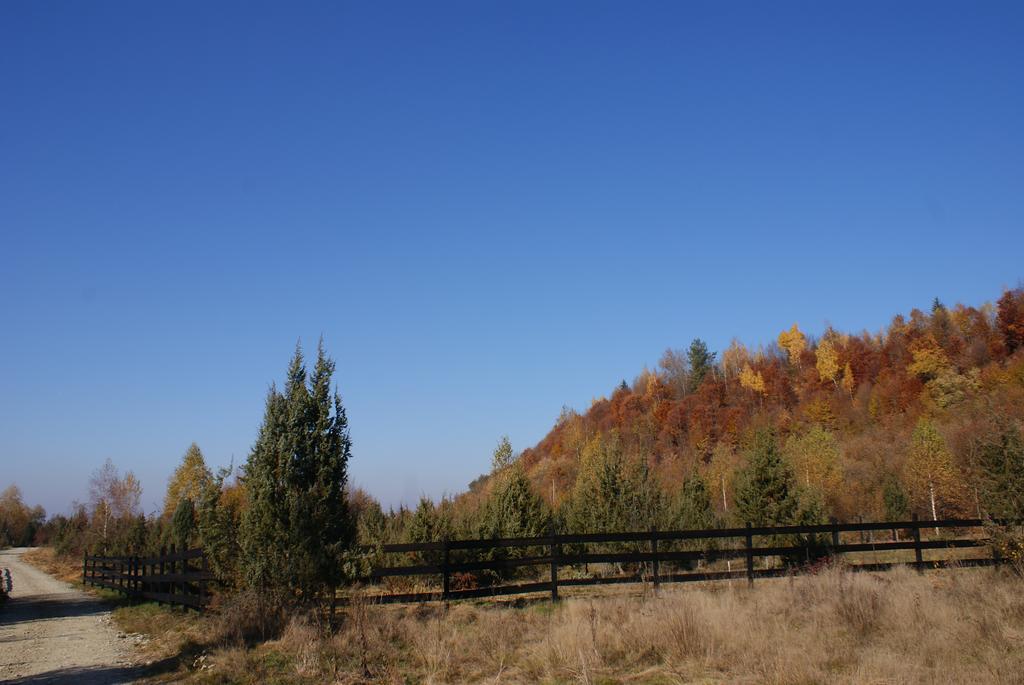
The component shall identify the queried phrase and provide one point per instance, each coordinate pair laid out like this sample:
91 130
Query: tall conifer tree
297 527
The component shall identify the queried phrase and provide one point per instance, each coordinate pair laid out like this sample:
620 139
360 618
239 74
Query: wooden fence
173 577
799 549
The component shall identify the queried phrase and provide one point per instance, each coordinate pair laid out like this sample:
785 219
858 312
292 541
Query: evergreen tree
895 500
1001 472
513 509
693 505
429 523
610 495
218 518
183 522
597 500
766 492
503 455
297 527
701 362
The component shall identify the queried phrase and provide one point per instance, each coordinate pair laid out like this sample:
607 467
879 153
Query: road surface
53 633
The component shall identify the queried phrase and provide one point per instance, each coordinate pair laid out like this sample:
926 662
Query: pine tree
183 522
1000 464
692 509
766 493
297 527
701 362
513 509
218 518
503 455
894 499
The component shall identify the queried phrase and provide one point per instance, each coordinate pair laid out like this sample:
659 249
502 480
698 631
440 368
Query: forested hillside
923 417
911 410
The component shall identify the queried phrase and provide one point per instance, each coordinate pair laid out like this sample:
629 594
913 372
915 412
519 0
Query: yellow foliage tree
188 480
930 360
930 471
734 358
827 360
752 380
848 383
794 342
815 458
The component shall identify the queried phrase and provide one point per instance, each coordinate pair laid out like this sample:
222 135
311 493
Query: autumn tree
1010 319
676 370
114 501
187 481
814 455
794 342
296 529
827 360
930 471
734 359
848 383
752 380
18 522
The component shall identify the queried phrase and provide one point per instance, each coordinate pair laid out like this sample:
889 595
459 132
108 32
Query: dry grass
961 626
63 568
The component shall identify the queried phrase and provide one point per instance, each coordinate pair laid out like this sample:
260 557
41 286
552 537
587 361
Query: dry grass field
958 626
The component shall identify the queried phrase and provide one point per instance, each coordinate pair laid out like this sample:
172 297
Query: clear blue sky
488 210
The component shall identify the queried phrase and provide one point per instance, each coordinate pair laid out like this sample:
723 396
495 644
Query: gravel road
53 633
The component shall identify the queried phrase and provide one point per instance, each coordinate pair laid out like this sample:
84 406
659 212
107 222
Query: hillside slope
865 420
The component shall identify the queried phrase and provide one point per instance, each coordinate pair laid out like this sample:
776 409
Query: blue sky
488 210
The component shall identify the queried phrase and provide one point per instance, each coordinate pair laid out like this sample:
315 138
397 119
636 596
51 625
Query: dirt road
52 633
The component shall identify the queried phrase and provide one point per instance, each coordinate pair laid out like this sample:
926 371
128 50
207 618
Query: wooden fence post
205 567
445 576
556 551
750 557
918 557
162 584
835 536
654 560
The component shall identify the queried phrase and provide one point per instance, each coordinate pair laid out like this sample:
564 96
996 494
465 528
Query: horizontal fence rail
178 578
800 548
